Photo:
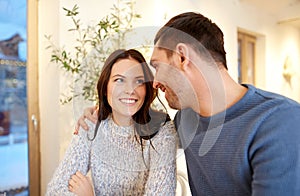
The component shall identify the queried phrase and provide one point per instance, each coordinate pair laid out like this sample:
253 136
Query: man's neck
223 95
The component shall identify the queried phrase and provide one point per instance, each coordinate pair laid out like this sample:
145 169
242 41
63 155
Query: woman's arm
77 158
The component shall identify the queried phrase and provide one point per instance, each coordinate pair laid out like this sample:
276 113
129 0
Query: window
19 140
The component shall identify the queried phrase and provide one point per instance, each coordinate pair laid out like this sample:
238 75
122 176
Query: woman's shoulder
166 138
167 129
90 131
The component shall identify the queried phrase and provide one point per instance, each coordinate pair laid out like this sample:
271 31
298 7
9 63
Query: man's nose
156 84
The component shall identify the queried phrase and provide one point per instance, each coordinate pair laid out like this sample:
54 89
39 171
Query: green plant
93 44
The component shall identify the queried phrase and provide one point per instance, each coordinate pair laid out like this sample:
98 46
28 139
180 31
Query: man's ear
183 52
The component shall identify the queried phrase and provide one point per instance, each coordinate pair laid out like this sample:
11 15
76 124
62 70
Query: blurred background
262 41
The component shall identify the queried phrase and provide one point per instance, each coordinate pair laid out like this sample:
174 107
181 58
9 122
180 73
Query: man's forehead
158 53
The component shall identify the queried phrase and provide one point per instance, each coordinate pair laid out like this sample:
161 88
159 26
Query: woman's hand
81 185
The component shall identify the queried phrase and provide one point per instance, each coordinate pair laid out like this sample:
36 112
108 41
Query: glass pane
13 98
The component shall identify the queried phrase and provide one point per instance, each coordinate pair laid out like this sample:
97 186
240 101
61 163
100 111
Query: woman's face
126 90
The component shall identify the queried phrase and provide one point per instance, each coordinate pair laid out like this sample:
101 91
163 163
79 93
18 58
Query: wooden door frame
246 38
33 99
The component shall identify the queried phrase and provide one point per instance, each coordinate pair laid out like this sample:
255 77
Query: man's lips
162 88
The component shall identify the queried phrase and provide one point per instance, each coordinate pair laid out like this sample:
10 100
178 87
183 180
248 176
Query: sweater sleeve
76 158
275 155
162 171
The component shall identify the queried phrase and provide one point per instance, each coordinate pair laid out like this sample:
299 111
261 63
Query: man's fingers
76 129
91 114
81 123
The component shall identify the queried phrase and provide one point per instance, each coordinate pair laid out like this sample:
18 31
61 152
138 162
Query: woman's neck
122 121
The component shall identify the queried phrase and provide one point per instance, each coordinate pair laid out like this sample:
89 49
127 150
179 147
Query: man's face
167 77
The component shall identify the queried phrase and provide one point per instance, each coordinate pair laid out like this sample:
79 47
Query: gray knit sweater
117 162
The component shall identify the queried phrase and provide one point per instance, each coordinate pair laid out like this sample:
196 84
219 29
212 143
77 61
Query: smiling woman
130 147
126 90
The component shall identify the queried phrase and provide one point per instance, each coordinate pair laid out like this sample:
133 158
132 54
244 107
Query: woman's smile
128 101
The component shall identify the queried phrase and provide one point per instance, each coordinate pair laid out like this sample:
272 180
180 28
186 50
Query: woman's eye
119 80
140 81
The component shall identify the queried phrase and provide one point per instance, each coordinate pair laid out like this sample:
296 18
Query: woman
132 148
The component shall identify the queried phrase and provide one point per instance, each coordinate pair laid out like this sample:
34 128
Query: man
238 140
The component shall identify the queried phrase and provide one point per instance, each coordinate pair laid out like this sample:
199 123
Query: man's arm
275 155
91 114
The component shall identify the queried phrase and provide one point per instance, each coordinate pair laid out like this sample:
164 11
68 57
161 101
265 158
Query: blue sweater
253 148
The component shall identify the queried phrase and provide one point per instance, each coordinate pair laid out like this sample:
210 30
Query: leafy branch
93 43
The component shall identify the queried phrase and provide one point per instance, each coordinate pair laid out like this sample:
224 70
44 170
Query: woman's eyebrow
118 75
141 76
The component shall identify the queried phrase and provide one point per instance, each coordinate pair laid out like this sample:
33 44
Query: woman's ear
183 52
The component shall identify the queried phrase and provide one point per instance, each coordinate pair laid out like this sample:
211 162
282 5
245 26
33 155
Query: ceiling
287 11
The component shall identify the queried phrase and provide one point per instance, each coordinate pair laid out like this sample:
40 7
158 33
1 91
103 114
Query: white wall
57 121
49 92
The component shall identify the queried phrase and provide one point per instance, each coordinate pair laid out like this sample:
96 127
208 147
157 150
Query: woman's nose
129 89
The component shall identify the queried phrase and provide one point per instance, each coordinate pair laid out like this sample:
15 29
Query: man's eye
154 66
